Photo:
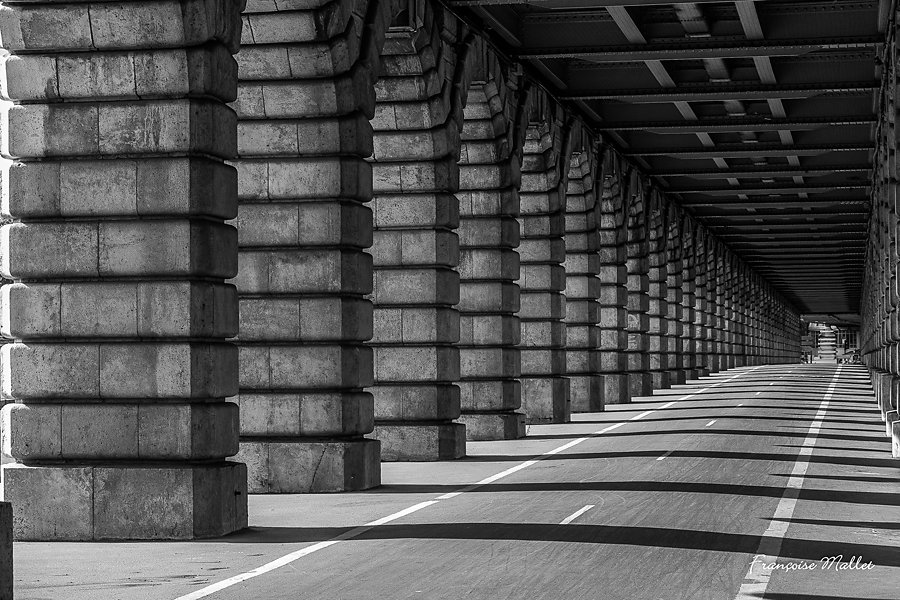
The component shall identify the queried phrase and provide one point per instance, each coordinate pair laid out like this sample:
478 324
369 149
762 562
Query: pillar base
890 418
113 502
677 377
640 384
895 440
6 551
309 467
660 380
546 400
493 426
420 441
615 389
586 393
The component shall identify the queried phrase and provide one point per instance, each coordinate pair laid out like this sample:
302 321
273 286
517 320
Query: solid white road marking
666 454
710 423
576 514
757 578
357 531
740 405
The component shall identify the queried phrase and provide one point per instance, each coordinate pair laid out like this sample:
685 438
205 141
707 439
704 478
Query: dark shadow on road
714 431
888 463
676 487
838 523
651 537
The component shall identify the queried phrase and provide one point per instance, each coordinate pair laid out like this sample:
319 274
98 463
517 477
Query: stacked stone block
545 388
640 381
118 316
701 318
675 363
303 223
490 393
613 276
689 327
416 249
583 286
657 294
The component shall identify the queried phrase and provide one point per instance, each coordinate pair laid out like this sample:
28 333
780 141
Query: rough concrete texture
303 224
637 248
118 306
657 293
490 361
545 389
582 286
6 551
416 249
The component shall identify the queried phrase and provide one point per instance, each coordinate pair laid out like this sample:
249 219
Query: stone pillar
119 312
675 362
302 227
6 551
490 362
613 276
583 285
712 309
688 345
657 293
545 389
640 382
723 345
701 318
416 249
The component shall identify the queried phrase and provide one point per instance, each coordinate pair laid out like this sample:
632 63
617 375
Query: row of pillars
366 239
879 330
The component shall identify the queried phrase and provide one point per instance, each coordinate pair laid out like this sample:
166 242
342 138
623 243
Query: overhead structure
756 117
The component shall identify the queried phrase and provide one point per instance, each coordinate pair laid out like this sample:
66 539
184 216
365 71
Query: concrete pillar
657 293
701 318
545 389
640 382
613 275
675 363
712 309
117 360
303 224
6 551
688 345
490 393
582 285
417 121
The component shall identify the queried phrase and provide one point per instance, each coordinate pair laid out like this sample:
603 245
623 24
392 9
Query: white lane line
757 393
665 455
357 531
740 405
756 581
576 514
710 423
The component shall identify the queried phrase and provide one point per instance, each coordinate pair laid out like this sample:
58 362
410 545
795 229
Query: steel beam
735 124
692 49
723 91
748 150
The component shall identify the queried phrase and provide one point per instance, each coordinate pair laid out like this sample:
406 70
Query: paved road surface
667 498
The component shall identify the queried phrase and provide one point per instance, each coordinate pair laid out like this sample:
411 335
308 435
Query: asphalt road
667 498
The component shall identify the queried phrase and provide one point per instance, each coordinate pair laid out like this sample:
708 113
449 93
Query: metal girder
723 91
735 124
569 4
693 49
765 202
766 171
748 150
757 190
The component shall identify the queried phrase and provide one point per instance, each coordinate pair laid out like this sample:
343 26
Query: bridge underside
262 248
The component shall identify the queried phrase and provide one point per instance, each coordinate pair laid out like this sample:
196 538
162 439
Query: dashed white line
710 423
665 455
756 581
357 531
740 405
576 514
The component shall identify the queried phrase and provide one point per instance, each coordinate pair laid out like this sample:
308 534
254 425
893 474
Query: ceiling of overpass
758 117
